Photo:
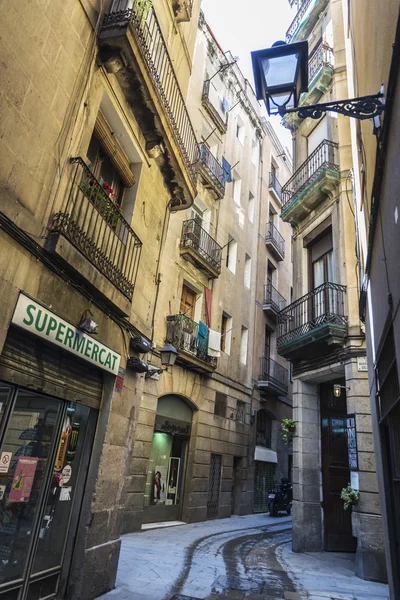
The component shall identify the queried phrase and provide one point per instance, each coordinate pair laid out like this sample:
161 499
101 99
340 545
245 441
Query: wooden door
335 470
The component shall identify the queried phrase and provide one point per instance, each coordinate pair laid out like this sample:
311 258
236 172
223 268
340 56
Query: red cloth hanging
208 297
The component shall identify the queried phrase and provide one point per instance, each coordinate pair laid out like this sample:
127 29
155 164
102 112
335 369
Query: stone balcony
308 12
311 183
273 301
198 247
273 378
275 242
182 332
212 173
133 48
213 106
313 325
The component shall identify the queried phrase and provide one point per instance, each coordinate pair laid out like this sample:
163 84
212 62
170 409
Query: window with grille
241 411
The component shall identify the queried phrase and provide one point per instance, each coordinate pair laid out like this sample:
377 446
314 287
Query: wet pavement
241 558
225 559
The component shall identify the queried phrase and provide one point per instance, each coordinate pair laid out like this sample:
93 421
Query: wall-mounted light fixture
281 75
87 324
168 357
337 389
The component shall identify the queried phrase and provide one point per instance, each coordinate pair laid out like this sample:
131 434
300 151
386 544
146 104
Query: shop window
188 302
247 271
241 412
243 345
226 333
220 404
264 429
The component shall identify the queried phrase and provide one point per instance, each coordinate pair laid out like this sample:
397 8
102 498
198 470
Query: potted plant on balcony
104 199
288 430
143 8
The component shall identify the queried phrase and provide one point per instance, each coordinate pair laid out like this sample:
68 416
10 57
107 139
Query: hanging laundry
202 336
226 168
208 298
214 343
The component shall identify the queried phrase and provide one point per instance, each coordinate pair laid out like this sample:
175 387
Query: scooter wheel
272 509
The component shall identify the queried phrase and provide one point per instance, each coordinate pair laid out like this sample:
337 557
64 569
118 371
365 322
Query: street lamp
281 75
168 355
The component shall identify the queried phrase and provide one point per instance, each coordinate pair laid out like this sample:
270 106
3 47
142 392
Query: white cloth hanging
214 343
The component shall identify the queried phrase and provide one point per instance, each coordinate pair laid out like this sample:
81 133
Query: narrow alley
241 558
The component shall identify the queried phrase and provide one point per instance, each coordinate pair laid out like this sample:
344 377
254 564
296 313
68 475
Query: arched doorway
163 499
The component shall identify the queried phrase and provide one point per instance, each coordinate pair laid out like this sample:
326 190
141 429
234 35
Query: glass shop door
42 442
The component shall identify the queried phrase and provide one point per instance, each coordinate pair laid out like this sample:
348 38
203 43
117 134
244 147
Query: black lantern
281 75
168 355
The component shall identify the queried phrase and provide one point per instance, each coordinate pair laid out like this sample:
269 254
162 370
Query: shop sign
352 442
172 426
38 320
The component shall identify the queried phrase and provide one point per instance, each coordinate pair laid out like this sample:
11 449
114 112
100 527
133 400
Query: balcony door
322 271
188 302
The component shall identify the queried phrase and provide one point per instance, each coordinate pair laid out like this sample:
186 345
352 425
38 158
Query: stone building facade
272 396
320 332
376 192
94 153
208 273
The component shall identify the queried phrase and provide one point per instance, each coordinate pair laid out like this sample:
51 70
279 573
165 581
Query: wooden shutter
111 146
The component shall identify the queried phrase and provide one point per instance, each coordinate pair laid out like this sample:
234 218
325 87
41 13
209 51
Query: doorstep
162 524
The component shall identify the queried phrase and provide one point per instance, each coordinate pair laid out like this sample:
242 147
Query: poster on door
22 483
160 481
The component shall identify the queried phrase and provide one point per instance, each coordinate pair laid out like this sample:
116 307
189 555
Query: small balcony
182 332
133 48
275 242
273 301
313 325
306 17
90 225
320 73
275 187
273 378
213 105
311 183
198 247
212 172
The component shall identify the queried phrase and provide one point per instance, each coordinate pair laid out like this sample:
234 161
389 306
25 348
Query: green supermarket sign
42 322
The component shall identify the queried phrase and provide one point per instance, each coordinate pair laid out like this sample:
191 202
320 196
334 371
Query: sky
245 25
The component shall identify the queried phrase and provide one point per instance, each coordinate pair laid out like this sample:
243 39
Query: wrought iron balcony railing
213 104
272 236
148 35
197 238
325 155
273 297
275 185
301 11
322 306
94 224
271 371
183 333
322 57
212 167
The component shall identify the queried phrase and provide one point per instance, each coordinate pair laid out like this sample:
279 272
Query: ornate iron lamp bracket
364 107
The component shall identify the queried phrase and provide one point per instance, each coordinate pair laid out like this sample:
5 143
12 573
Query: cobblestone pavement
241 558
225 559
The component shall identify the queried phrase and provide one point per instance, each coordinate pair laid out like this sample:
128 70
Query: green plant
288 430
349 496
143 8
103 198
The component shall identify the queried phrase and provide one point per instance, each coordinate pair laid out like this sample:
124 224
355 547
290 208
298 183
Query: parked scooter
280 499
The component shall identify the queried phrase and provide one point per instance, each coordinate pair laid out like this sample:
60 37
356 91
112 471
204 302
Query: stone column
366 515
307 520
